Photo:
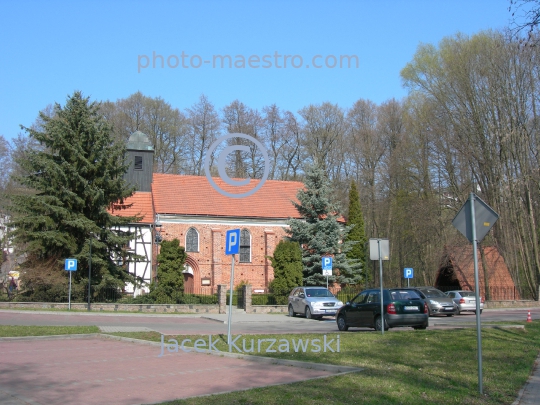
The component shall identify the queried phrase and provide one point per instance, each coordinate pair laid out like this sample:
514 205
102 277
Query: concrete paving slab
111 329
104 371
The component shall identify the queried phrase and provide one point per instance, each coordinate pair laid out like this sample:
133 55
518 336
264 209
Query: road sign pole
466 221
229 340
232 247
89 271
380 276
69 296
478 328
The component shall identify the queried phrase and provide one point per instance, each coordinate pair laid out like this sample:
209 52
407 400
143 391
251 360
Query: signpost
71 266
474 220
408 274
232 247
327 267
379 249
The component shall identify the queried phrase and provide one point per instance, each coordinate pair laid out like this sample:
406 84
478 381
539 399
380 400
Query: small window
138 163
245 246
192 240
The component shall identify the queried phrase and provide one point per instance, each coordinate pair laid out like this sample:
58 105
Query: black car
402 307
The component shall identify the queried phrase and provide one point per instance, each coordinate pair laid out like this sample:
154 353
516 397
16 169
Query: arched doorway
447 279
189 282
192 279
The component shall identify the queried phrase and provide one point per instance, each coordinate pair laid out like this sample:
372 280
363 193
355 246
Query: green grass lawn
404 367
18 331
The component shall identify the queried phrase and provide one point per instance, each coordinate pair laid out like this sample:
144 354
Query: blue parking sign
327 263
232 242
70 265
408 273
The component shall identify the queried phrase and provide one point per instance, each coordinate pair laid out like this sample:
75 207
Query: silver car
438 302
465 300
313 302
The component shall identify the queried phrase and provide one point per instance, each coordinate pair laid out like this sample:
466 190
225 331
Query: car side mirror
302 295
347 303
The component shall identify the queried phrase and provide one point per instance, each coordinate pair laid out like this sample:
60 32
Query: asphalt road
241 323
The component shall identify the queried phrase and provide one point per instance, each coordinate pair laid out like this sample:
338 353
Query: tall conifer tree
320 234
67 185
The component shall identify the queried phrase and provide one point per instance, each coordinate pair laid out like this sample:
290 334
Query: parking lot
241 322
102 371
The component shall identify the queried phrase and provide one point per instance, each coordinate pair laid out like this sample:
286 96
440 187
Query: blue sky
48 49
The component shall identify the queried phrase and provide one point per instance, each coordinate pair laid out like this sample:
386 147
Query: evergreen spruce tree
357 233
320 234
170 279
66 186
287 264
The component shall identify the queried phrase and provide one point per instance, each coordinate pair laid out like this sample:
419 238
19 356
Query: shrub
287 264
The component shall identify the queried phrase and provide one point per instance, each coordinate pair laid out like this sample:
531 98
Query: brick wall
211 262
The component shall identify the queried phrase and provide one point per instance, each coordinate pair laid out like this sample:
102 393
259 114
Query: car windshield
466 293
433 293
318 292
404 295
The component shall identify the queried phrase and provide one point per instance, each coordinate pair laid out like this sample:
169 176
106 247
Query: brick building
456 272
190 209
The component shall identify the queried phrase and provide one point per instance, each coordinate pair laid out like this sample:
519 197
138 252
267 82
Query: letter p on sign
70 265
232 242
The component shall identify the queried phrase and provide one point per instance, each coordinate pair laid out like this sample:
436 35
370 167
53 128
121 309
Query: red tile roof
139 204
194 195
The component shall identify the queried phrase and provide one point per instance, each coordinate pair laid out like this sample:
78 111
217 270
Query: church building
191 210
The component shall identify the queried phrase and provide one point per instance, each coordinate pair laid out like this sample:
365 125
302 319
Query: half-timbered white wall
142 245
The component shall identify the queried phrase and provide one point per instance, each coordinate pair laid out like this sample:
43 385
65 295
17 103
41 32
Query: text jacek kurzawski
247 345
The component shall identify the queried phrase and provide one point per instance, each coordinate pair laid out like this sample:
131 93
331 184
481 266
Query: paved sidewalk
530 393
95 371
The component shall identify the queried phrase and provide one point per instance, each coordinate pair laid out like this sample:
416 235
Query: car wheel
421 327
291 311
449 314
308 313
458 312
342 324
378 324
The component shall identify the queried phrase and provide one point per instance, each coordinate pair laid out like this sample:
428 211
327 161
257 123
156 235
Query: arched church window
192 240
245 246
